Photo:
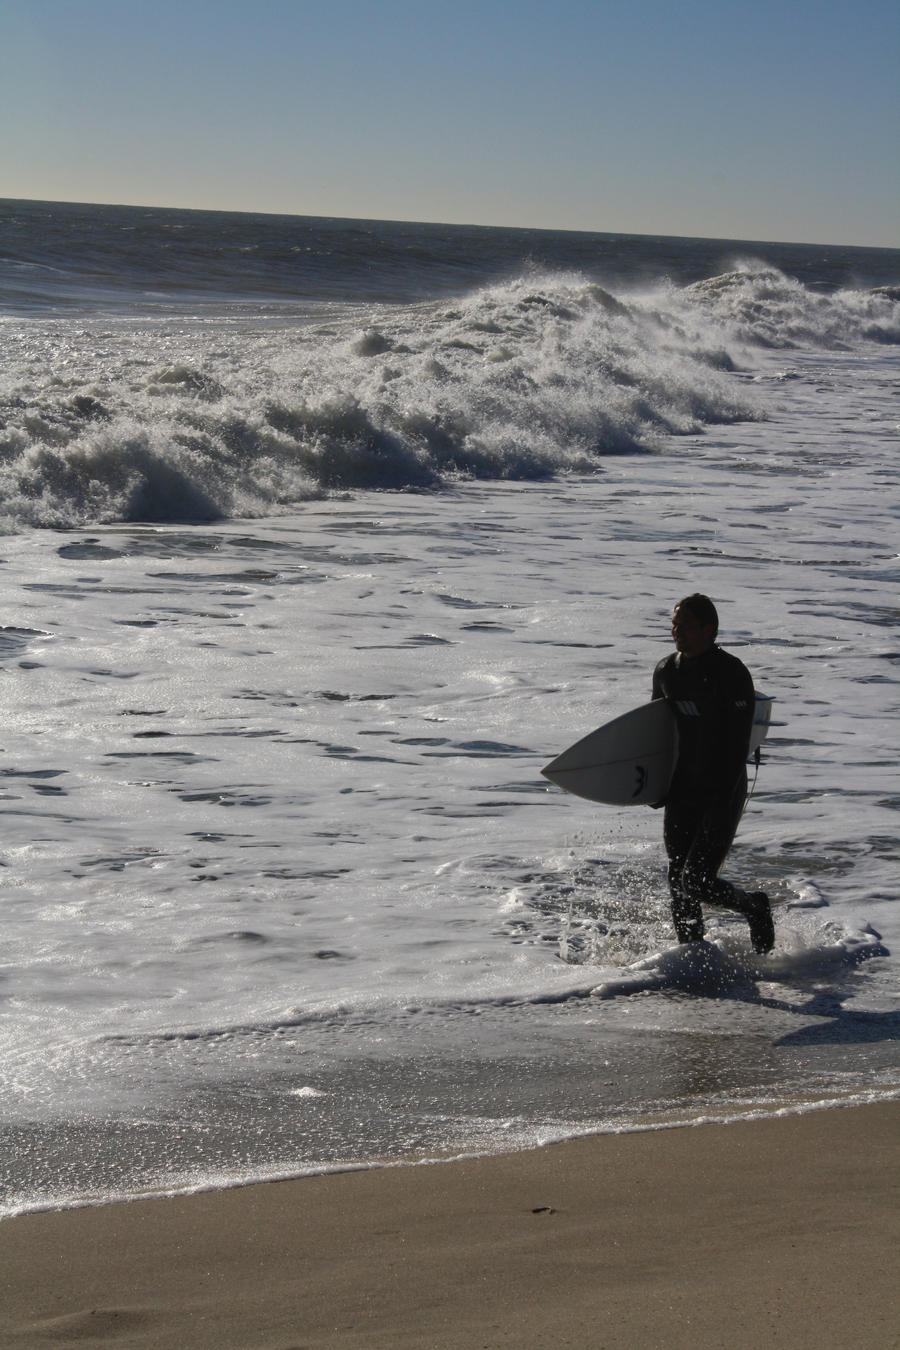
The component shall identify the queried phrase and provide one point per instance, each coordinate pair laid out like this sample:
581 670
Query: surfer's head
695 625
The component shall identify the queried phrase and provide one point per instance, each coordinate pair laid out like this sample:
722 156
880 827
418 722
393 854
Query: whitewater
299 598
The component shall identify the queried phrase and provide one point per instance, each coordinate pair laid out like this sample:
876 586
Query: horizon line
463 225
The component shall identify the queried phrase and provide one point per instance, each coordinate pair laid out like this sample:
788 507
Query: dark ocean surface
59 255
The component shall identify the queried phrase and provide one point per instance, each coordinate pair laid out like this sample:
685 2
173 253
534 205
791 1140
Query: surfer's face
691 637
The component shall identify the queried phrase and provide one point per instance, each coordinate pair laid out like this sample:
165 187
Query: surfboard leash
757 760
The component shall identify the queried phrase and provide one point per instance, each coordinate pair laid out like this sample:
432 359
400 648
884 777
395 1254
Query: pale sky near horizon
759 121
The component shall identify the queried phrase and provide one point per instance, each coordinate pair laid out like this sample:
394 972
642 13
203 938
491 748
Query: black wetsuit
712 698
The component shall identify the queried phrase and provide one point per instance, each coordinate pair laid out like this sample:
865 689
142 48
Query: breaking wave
762 307
105 420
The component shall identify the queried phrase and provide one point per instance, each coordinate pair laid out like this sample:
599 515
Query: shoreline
783 1227
215 1183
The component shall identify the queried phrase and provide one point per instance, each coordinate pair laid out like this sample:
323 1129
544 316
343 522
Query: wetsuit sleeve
738 705
657 691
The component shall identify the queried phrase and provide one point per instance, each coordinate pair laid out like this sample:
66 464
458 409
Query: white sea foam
721 968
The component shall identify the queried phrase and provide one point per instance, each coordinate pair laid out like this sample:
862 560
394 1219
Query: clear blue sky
770 119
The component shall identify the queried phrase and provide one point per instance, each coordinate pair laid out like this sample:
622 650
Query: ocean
321 537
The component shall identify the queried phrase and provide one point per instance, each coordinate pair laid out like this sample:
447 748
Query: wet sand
779 1233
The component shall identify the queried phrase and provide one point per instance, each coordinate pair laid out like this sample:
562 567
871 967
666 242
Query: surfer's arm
658 692
737 723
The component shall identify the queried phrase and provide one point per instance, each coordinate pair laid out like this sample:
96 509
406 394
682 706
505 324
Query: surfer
711 694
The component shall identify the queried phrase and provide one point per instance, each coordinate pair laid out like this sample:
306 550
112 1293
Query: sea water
320 539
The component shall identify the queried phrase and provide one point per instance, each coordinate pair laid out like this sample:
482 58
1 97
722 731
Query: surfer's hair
702 609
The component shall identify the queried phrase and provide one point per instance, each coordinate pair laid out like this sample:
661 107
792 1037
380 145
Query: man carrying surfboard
711 695
686 750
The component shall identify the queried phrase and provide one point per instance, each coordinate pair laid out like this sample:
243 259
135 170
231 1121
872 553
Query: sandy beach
781 1232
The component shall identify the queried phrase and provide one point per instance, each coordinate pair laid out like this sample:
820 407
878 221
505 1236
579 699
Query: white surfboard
629 761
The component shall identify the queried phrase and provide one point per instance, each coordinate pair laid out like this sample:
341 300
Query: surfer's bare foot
762 928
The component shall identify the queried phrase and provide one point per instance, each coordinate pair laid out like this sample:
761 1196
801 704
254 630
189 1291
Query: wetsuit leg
697 840
681 828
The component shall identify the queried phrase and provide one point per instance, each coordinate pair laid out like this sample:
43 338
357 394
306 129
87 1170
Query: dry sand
778 1233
